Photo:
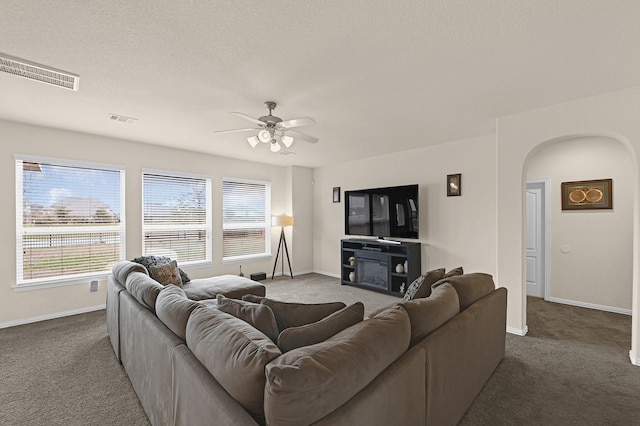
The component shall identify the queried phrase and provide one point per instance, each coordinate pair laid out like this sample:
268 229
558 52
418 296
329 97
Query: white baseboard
591 306
518 331
634 360
329 274
52 316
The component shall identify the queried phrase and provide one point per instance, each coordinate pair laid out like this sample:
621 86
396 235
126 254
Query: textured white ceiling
378 76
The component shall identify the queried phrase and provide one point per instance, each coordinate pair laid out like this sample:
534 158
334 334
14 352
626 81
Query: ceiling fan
274 130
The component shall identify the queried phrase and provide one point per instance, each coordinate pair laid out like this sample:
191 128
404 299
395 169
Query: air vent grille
37 72
122 119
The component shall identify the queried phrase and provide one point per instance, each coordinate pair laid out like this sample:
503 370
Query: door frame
544 185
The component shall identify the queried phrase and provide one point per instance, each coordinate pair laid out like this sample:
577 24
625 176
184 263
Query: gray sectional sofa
420 362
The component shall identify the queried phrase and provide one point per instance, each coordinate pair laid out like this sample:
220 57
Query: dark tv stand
374 264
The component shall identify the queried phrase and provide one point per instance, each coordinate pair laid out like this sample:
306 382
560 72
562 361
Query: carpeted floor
571 369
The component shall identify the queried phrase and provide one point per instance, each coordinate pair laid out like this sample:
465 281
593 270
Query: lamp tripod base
283 241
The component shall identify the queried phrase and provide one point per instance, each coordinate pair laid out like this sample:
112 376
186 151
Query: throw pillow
319 331
252 298
297 314
166 274
421 286
454 272
428 314
470 287
258 316
147 261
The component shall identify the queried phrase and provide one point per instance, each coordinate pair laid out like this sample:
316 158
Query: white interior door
535 247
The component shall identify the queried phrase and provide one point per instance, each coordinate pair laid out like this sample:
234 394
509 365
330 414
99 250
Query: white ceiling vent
38 72
122 119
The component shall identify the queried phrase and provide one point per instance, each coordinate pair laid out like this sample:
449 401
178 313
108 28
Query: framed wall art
454 185
336 194
587 194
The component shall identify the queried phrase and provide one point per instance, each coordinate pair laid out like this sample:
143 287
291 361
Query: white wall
17 307
614 115
454 231
598 268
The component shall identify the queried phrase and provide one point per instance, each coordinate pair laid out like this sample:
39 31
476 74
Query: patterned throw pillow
166 274
421 287
148 261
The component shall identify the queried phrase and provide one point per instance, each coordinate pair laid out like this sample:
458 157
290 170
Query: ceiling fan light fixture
287 140
264 136
275 146
253 141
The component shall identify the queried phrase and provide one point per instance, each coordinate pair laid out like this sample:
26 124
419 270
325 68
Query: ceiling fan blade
297 122
237 130
246 117
303 136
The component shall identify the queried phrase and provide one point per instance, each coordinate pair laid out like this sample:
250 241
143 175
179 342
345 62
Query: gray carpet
572 368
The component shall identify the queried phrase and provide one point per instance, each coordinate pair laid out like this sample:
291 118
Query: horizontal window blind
177 217
68 220
246 216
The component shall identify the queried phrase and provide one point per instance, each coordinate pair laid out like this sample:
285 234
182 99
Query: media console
386 266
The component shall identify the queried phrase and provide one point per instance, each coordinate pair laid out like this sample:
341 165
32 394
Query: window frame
267 224
208 260
63 280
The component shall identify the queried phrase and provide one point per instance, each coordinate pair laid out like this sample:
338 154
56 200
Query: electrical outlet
94 285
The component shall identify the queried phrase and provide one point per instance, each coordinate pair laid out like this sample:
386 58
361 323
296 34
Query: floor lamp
282 221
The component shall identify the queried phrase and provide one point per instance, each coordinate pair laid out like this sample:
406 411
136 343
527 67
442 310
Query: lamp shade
253 141
283 220
264 136
287 141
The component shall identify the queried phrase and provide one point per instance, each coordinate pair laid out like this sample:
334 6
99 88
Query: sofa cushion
259 316
307 383
144 288
148 261
421 286
319 331
297 314
234 353
166 274
231 286
470 287
122 269
428 314
173 309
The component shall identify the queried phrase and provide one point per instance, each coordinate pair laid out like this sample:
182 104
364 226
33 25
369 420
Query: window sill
59 282
238 259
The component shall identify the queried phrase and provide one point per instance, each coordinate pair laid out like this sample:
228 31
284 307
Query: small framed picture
336 194
587 194
454 185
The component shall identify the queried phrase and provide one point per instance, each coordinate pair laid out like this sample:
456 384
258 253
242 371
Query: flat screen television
382 212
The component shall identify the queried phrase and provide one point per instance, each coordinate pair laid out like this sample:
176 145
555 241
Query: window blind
246 212
68 220
177 217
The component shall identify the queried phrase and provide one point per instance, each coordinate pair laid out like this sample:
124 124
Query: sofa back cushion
234 353
259 316
144 288
428 314
319 331
307 383
470 287
122 269
173 309
297 314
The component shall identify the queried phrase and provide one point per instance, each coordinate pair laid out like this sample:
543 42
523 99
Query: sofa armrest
113 313
461 357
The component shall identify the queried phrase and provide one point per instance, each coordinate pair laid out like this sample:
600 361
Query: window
69 220
177 216
246 212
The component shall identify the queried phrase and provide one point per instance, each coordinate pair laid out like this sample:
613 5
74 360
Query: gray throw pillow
421 286
297 314
319 331
258 316
454 272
